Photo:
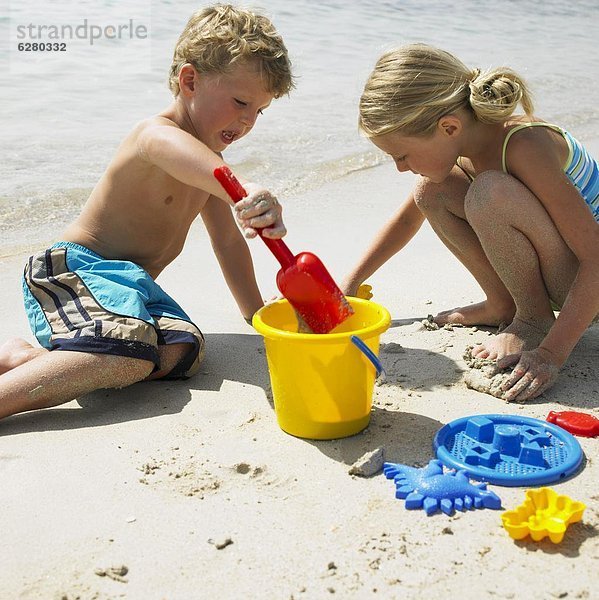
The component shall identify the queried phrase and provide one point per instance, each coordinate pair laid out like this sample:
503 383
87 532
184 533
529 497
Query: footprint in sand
262 475
189 477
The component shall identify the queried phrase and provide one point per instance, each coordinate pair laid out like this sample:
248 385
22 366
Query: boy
91 299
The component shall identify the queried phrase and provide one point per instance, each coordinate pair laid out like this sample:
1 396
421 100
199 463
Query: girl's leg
443 206
52 378
527 252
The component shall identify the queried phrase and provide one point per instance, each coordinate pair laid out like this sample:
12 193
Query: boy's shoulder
153 121
150 132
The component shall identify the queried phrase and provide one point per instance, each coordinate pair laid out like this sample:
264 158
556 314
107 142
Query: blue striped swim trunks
77 300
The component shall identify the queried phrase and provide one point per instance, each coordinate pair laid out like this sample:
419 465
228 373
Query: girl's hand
356 290
534 373
259 210
364 292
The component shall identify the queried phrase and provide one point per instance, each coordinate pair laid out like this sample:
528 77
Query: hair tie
474 74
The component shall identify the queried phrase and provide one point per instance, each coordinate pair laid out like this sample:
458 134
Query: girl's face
432 156
224 107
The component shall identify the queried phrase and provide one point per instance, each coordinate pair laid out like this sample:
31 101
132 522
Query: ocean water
65 112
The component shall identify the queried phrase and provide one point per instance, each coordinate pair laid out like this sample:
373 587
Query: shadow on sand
232 357
229 357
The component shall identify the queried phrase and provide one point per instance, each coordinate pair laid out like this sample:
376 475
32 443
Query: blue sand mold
508 450
432 489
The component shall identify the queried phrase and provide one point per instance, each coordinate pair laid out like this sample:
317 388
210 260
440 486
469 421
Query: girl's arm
389 241
536 164
233 255
539 168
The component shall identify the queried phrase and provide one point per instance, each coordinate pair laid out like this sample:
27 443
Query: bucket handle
370 355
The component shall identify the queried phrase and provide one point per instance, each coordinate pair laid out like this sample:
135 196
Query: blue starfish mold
432 489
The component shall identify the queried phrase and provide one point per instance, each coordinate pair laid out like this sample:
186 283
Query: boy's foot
517 337
16 352
481 313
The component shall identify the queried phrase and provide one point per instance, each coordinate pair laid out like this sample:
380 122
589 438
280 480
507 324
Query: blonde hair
413 86
217 37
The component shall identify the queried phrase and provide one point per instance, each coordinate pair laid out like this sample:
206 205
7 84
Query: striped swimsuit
79 301
580 168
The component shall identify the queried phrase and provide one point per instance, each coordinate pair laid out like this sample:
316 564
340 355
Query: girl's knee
486 196
431 197
423 193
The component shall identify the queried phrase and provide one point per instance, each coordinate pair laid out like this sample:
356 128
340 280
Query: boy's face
224 107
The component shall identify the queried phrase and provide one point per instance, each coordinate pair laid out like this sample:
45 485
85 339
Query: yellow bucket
322 384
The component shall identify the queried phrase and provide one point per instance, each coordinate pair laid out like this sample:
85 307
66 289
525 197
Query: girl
514 198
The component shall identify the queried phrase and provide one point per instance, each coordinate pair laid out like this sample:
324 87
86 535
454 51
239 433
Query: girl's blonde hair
217 37
413 86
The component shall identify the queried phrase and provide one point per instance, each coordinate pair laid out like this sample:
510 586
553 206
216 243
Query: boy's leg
170 356
181 344
52 378
15 352
527 251
443 206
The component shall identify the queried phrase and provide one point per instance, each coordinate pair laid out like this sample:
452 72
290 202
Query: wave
30 220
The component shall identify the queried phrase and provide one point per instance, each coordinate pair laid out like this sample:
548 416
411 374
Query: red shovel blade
313 293
303 279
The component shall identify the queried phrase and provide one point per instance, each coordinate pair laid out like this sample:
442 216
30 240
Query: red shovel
303 279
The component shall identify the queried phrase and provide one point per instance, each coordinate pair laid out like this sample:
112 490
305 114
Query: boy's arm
190 161
233 255
389 241
182 156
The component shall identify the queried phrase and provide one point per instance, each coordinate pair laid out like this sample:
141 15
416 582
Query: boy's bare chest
160 205
178 205
146 220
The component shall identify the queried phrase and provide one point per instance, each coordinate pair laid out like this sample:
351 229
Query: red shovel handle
230 183
235 190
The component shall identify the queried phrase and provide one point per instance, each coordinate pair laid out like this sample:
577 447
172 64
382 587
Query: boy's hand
260 210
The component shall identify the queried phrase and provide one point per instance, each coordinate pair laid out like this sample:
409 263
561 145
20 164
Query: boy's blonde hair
412 87
217 37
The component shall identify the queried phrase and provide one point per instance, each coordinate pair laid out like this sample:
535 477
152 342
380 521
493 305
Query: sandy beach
189 489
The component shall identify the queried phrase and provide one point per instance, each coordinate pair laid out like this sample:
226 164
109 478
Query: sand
184 490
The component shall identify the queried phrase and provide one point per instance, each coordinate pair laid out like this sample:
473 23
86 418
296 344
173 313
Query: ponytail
413 86
495 94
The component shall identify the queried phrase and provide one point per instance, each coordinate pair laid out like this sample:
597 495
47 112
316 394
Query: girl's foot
481 313
517 337
16 352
